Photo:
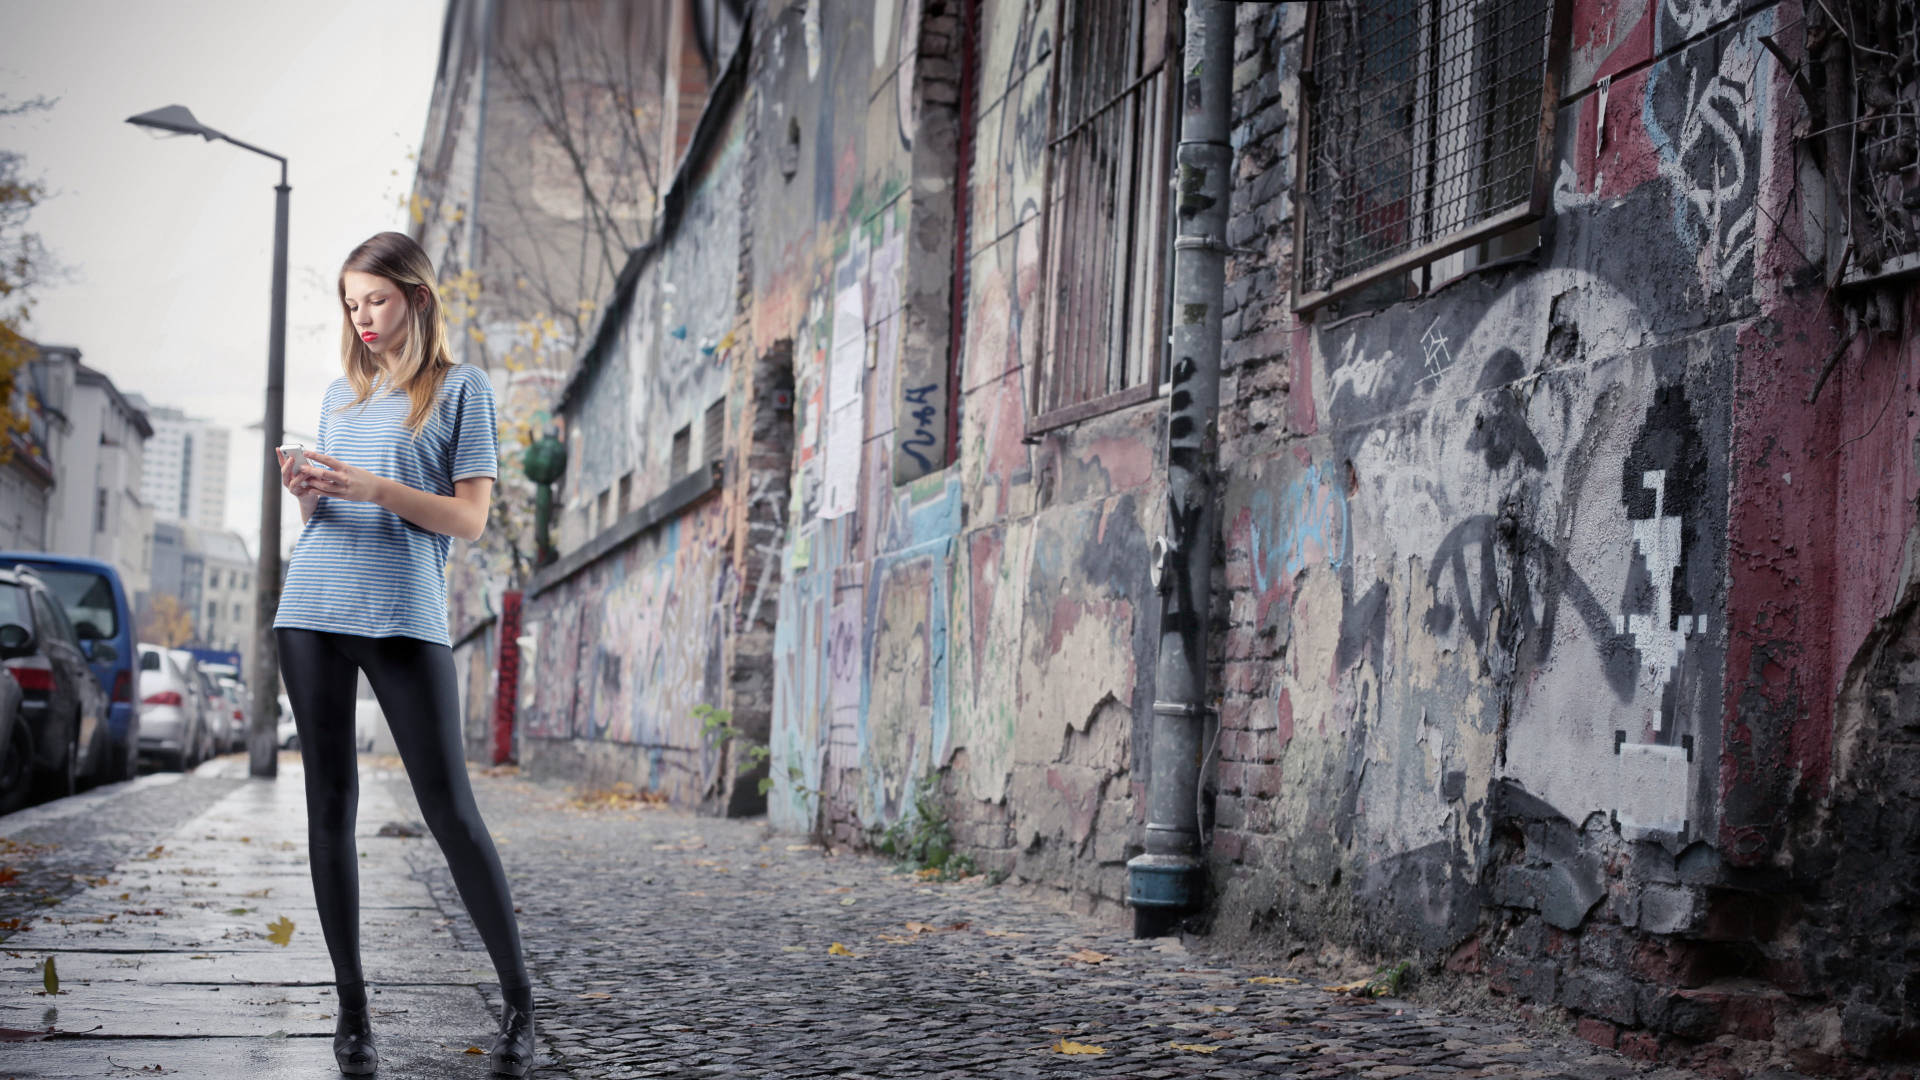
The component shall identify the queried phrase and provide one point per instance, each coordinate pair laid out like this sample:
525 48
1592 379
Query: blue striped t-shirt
359 568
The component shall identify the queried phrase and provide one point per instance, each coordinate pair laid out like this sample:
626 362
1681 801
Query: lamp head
176 119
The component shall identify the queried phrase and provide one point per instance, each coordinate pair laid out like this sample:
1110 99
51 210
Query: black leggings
415 684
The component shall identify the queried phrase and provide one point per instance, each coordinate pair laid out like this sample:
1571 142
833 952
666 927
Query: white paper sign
841 487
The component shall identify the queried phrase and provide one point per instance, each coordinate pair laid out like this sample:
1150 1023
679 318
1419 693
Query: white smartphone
298 453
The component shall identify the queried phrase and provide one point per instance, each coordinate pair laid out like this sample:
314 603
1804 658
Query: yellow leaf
1196 1048
1274 980
1347 988
50 977
922 928
474 1050
1088 956
280 930
1068 1046
837 949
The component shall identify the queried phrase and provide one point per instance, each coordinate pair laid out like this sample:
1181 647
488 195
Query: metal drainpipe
1163 883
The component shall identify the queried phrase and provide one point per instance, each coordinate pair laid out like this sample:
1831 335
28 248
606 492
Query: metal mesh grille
1425 118
1106 203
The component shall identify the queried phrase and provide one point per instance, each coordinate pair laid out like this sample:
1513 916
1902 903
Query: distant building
185 474
95 509
209 575
27 477
223 610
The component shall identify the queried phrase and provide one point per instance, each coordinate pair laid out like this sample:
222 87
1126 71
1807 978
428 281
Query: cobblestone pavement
665 944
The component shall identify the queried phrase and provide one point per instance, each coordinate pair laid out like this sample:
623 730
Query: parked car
286 732
237 705
220 723
63 710
16 745
95 602
172 724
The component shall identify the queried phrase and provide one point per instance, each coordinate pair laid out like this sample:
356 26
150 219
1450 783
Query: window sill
1073 414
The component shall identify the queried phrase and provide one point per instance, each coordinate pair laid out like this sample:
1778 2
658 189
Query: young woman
406 461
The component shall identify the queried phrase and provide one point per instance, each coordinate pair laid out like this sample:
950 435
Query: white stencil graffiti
1708 160
1434 346
1660 637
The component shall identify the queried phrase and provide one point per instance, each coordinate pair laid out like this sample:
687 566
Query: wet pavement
165 960
662 944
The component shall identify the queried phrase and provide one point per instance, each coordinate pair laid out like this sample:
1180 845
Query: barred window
1429 129
1113 126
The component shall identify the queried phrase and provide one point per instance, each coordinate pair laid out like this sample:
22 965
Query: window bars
1429 129
1106 225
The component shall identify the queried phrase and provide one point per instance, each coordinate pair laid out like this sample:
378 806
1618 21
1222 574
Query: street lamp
262 746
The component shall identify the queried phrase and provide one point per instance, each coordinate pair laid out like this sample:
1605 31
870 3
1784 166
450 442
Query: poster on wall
845 413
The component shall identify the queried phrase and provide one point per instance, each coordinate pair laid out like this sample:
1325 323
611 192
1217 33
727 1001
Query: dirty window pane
1424 122
1106 208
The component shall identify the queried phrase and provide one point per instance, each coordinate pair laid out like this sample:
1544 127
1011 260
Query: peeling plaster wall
986 618
1552 605
628 647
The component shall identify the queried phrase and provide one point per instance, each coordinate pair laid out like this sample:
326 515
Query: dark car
96 604
59 725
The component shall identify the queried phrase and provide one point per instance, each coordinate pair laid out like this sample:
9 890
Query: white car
235 693
287 735
172 725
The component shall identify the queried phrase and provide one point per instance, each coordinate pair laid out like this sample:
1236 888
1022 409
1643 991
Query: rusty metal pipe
1164 882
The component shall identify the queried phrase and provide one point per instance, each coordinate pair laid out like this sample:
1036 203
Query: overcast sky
170 240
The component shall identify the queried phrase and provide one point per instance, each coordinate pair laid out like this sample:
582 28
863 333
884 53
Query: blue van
96 604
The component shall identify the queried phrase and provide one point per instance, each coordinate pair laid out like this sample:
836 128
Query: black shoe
353 1045
513 1048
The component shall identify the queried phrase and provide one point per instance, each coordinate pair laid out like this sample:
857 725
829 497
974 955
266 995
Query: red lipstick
368 336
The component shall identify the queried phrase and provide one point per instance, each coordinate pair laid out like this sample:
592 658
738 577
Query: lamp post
262 745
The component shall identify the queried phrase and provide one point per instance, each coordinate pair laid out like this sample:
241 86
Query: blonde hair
424 356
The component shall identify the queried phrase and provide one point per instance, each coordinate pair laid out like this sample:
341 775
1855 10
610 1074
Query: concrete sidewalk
166 967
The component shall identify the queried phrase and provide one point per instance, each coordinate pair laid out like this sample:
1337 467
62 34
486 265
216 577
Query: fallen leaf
961 925
595 995
1274 980
1197 1048
280 931
50 977
1068 1046
260 894
1004 933
837 949
8 1035
277 1033
895 939
846 901
1088 956
1348 987
8 875
922 928
239 911
475 1050
793 948
203 956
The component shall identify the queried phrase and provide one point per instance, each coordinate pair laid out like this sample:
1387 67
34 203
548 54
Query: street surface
662 944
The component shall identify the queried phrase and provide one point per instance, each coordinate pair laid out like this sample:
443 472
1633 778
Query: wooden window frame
1158 272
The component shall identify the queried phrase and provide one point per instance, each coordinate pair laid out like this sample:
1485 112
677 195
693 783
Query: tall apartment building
96 509
27 474
185 475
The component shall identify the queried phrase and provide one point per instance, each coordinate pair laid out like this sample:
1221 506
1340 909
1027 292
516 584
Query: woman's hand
299 485
340 480
294 480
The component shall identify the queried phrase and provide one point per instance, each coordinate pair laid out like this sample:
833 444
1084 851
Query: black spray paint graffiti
1504 584
920 435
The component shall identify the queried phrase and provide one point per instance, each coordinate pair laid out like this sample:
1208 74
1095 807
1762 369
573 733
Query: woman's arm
462 514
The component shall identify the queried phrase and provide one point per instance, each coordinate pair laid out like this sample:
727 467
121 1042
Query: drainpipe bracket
1187 709
1210 243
